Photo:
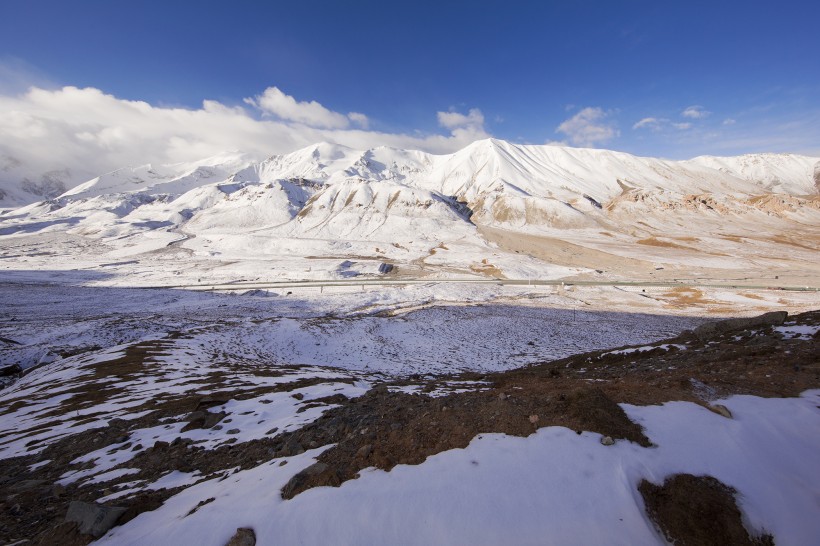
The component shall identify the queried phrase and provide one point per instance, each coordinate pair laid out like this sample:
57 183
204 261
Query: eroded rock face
817 176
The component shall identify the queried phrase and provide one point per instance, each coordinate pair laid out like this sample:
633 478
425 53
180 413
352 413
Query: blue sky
661 78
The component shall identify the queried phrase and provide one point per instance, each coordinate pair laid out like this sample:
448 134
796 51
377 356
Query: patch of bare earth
698 511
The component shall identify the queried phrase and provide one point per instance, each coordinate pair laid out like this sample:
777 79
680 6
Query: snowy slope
407 206
777 173
171 179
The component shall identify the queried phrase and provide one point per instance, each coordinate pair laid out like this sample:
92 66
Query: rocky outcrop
775 318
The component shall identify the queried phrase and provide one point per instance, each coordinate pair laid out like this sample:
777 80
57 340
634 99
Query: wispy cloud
589 127
653 124
657 125
695 112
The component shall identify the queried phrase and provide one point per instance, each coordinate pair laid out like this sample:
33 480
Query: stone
721 410
211 419
118 423
27 485
6 371
385 268
244 536
607 441
93 519
203 419
212 400
195 420
315 469
364 451
533 419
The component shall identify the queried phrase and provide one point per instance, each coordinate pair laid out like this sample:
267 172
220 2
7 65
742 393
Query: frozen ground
500 331
429 328
554 486
190 396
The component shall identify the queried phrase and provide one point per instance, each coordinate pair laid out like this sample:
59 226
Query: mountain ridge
461 213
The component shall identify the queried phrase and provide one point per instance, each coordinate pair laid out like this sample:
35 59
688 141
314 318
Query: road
354 282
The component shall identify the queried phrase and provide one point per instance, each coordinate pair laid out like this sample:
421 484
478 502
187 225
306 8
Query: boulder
244 536
93 519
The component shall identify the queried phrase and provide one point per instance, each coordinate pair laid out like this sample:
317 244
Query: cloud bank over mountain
85 131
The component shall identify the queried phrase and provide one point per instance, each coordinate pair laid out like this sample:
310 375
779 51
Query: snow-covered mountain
408 206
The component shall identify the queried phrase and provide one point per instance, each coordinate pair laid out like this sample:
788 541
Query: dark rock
27 485
195 420
317 474
211 419
385 268
203 419
244 536
93 519
118 423
212 400
14 369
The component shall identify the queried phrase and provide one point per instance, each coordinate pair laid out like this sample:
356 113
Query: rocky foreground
106 437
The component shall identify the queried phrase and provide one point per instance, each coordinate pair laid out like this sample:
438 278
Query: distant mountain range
392 197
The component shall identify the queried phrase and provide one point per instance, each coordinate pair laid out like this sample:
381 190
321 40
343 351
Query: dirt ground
698 511
681 257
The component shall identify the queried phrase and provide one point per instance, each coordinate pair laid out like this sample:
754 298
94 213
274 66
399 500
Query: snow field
554 485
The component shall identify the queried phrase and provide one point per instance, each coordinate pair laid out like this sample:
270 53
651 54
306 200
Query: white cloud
695 112
90 132
588 127
454 120
273 101
729 121
359 119
659 124
653 124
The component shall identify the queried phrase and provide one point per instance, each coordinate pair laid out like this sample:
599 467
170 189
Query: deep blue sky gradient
527 65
